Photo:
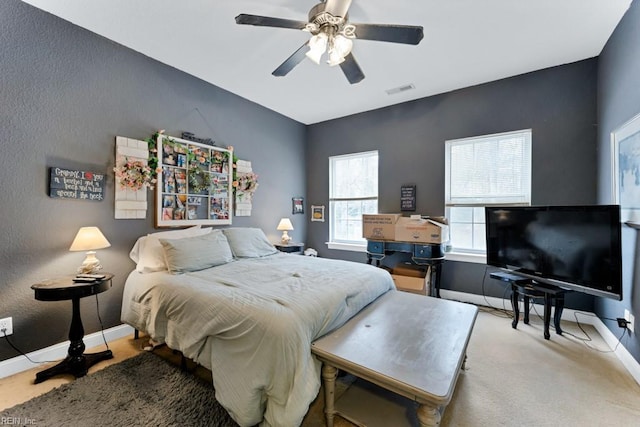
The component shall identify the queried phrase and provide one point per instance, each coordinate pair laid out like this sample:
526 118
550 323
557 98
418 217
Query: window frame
340 243
522 199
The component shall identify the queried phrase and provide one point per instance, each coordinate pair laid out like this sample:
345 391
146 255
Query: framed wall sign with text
408 198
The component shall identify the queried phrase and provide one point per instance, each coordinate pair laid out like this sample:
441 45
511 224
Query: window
353 191
480 171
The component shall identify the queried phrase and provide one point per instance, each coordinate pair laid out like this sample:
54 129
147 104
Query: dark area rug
145 390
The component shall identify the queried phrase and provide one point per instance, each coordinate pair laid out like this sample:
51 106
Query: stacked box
418 230
379 226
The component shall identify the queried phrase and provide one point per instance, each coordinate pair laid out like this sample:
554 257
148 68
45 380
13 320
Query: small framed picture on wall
317 213
297 205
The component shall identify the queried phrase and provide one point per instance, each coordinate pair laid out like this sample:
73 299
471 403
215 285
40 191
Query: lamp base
90 265
285 238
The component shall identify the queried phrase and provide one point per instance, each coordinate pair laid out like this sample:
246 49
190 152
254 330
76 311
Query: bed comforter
251 322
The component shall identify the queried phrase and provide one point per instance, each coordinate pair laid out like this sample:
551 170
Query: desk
76 362
428 343
528 288
431 254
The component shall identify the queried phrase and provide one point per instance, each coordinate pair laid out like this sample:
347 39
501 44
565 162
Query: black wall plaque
79 185
408 198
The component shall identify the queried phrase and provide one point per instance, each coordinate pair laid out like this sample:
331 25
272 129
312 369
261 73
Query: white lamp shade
317 47
341 47
89 239
285 225
335 59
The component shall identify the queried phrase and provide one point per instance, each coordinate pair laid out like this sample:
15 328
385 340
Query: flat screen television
573 247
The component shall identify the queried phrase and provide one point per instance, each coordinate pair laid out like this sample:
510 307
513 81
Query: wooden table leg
514 304
77 362
547 315
435 272
428 415
329 374
557 316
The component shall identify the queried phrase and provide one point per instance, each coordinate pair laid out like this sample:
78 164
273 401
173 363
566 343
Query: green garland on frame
152 143
195 186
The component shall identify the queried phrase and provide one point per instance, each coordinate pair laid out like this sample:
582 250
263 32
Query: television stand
529 288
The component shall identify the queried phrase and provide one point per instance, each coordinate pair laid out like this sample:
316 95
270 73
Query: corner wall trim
621 352
59 351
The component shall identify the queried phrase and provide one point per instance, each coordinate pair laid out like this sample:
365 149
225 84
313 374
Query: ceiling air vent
399 89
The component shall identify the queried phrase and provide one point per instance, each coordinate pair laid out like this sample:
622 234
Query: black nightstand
76 362
291 248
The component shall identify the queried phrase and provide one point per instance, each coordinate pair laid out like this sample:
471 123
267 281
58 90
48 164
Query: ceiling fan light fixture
331 33
317 47
339 47
335 59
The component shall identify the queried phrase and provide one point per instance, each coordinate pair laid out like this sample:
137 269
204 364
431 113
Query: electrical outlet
6 323
629 318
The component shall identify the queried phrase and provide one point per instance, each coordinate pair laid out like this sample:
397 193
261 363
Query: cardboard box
410 284
418 230
414 285
411 270
412 279
379 226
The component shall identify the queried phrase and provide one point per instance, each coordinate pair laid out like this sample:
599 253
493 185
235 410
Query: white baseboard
623 354
59 351
569 315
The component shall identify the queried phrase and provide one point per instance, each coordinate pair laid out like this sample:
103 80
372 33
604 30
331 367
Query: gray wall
65 94
558 104
619 101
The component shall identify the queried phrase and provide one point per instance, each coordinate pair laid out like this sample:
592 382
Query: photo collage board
194 183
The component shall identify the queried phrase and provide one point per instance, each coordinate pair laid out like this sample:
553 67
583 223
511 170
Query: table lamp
89 239
284 226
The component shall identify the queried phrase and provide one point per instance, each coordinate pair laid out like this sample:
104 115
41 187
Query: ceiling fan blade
352 70
291 61
267 21
408 34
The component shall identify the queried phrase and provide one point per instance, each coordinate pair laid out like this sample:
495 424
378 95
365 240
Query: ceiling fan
331 32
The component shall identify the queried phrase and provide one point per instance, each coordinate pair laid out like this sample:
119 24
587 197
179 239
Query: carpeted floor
515 377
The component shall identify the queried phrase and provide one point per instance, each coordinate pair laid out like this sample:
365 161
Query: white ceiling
467 42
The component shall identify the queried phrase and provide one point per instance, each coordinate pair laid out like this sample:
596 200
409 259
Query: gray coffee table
411 345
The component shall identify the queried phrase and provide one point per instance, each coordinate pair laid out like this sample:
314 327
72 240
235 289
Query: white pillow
147 252
248 242
137 247
196 253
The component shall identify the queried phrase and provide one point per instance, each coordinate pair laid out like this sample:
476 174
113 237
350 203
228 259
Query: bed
231 302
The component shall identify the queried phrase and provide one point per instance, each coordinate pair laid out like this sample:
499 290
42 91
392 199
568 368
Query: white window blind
492 169
353 191
480 171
